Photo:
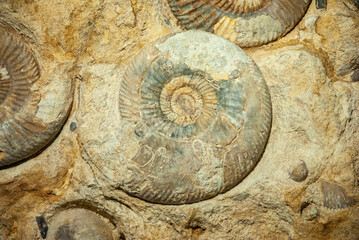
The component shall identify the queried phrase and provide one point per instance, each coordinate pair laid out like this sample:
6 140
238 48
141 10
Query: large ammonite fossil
247 23
196 113
29 117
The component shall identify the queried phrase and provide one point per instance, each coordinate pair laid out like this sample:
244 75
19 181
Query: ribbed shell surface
247 23
199 121
21 133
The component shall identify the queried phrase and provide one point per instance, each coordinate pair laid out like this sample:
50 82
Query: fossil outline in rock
248 23
219 144
22 131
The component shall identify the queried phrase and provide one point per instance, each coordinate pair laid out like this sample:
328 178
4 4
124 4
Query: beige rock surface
315 120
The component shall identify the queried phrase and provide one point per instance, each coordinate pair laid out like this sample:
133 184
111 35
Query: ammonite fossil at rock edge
30 114
78 224
196 115
247 23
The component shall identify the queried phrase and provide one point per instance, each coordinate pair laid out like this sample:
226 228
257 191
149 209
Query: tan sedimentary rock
315 112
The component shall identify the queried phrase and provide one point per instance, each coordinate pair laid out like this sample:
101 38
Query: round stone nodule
78 224
299 171
310 212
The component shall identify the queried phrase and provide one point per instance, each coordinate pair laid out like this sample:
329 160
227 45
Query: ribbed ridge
21 133
226 18
18 71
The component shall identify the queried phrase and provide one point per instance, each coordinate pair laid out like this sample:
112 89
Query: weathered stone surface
315 107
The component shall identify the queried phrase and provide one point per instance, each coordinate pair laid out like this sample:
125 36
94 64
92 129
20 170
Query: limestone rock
315 110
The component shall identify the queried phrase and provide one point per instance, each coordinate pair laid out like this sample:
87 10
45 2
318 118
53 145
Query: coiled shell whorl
23 128
247 23
196 113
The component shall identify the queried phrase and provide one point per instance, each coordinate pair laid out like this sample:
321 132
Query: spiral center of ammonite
186 101
181 102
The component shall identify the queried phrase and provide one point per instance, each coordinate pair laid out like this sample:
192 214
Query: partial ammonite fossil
196 114
247 23
30 114
335 197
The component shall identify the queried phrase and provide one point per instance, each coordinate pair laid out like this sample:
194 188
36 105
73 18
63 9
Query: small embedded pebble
310 212
299 171
73 126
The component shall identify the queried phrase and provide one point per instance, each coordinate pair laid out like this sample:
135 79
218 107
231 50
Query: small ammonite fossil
247 23
78 224
335 197
196 115
25 125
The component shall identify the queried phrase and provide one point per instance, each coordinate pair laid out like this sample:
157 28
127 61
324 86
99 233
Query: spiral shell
23 129
198 111
247 23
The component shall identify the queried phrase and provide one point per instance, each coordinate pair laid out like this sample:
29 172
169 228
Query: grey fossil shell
247 23
197 114
23 128
79 224
335 197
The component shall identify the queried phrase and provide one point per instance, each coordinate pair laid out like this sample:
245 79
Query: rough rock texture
315 119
